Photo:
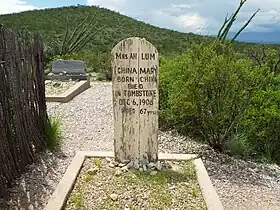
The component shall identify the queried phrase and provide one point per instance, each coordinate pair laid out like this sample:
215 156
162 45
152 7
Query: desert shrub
261 123
52 130
205 91
216 95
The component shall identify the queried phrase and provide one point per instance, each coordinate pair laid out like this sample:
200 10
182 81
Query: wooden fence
22 103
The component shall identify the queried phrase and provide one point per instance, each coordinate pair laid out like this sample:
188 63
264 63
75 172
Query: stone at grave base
112 165
143 162
151 165
136 165
114 197
144 168
57 84
153 173
141 169
92 171
158 166
124 169
125 161
122 164
129 165
118 172
167 165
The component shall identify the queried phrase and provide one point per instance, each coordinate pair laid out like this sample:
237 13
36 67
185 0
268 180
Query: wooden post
135 69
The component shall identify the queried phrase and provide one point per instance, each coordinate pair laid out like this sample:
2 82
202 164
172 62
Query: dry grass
169 188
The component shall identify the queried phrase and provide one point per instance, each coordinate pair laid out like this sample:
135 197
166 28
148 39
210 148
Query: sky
197 16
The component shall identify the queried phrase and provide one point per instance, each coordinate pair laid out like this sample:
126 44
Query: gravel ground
87 125
56 87
105 184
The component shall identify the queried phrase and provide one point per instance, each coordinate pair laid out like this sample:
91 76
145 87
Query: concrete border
72 92
66 184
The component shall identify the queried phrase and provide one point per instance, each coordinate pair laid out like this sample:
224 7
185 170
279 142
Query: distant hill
259 37
52 22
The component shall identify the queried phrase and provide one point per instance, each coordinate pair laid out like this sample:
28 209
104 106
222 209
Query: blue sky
197 16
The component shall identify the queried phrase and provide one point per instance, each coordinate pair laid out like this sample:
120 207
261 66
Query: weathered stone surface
114 197
68 67
153 173
135 98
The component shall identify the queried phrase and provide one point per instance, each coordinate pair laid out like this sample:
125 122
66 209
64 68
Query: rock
151 165
153 173
136 165
56 84
114 197
158 166
144 162
122 165
124 169
172 187
129 165
30 207
111 165
125 161
48 82
92 171
167 164
108 159
144 168
141 169
118 172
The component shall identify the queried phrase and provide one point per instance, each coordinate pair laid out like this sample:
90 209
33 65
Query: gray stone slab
68 67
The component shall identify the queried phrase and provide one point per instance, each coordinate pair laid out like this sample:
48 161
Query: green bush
53 134
205 91
261 122
216 95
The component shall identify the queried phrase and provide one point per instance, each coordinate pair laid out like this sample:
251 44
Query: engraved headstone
135 69
68 67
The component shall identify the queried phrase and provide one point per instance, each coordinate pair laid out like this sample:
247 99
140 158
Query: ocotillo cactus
224 30
81 35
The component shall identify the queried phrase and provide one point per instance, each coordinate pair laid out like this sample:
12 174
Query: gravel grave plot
87 125
56 87
106 184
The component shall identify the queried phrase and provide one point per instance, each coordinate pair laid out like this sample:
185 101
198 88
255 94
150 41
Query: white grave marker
135 69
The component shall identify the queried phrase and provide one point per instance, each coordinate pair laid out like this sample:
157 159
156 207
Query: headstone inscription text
135 69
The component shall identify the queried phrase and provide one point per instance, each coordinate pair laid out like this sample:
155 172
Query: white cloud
12 6
198 16
192 22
